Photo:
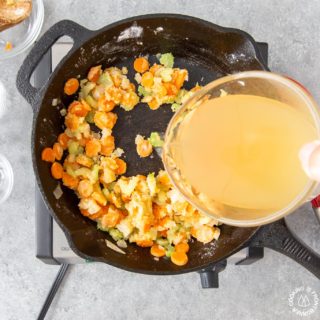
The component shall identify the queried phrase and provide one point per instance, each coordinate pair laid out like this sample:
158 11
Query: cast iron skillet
207 51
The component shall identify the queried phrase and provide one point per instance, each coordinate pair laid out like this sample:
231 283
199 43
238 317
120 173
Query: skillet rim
39 102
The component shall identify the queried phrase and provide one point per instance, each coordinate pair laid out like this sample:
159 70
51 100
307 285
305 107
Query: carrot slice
141 64
93 147
79 109
122 166
71 86
179 258
56 170
147 79
182 247
85 188
94 73
157 251
63 140
145 243
70 181
57 150
47 155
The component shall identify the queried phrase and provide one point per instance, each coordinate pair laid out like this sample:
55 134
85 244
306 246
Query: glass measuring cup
254 83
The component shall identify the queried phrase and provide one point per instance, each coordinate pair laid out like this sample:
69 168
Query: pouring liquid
242 152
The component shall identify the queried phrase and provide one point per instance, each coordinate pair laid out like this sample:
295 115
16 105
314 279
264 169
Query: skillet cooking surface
207 52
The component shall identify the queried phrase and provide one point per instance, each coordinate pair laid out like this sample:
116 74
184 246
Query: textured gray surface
97 291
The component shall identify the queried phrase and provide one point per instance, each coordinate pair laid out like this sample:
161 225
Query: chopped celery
106 192
167 60
152 183
166 74
169 250
105 79
74 148
162 242
155 139
93 103
111 186
86 89
83 172
143 92
180 95
100 227
115 234
90 116
175 107
95 173
70 171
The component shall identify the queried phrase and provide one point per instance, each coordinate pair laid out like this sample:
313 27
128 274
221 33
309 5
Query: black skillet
208 51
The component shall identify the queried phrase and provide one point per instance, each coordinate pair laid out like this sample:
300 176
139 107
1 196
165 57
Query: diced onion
113 247
54 102
122 244
57 192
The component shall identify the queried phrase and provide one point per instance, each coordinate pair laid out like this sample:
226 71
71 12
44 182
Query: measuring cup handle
277 236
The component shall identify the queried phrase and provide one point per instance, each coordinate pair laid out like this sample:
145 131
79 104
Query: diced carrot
70 181
157 251
164 221
179 258
182 247
47 155
84 160
116 79
153 104
113 217
162 91
171 89
114 94
132 87
99 197
180 78
163 233
194 232
154 68
72 121
63 140
85 188
99 214
141 64
129 100
79 109
93 147
122 166
71 86
85 212
105 105
83 141
147 79
145 243
56 170
105 120
146 227
144 148
94 73
107 145
57 150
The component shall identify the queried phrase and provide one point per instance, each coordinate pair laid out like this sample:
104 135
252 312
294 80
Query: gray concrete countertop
98 291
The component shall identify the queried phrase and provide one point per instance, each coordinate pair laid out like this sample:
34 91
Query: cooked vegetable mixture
144 210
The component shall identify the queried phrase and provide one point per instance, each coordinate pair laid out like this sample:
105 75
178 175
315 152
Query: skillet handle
277 236
62 28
